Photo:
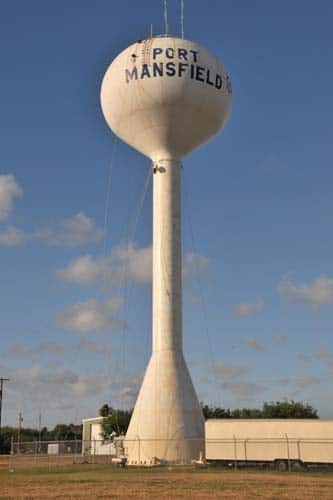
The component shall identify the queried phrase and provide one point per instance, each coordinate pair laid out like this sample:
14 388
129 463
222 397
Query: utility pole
20 420
39 431
2 381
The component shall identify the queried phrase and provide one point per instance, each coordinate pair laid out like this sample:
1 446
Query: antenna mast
182 18
166 22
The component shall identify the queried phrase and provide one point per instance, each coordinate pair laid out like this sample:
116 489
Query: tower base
167 425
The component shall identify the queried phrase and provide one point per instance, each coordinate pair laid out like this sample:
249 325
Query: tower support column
167 257
167 424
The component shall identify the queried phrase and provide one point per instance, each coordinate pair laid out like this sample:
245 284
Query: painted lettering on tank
208 78
170 53
200 74
156 52
175 67
182 54
170 69
145 71
182 68
130 74
158 69
195 55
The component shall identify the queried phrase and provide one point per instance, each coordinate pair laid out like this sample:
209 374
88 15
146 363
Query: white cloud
280 338
325 356
126 264
89 385
74 231
91 316
283 381
299 384
228 372
58 384
245 390
128 389
194 264
231 381
245 309
132 264
82 271
253 344
11 236
64 394
54 348
314 294
305 381
49 347
9 189
304 357
94 346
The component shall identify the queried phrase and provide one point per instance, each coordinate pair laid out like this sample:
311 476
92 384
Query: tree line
278 409
61 432
117 421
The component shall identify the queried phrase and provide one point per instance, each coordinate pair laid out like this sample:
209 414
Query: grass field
88 481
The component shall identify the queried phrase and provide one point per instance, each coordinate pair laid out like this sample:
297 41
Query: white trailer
286 443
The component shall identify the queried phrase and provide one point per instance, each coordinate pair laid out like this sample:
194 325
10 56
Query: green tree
5 441
215 412
118 422
288 409
63 432
278 409
105 410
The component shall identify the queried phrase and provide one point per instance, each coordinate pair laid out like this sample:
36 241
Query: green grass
128 471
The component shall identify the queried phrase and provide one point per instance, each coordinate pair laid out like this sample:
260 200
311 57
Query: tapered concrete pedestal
167 423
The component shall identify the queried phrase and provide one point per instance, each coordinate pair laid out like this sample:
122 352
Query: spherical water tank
166 96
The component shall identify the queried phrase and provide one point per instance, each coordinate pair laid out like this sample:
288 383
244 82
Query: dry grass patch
76 482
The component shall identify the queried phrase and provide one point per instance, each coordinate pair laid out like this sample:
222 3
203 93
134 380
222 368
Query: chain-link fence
53 453
283 453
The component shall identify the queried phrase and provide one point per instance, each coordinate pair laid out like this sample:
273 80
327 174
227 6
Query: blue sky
74 288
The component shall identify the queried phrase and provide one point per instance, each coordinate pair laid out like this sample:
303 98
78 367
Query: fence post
288 453
235 451
12 445
299 450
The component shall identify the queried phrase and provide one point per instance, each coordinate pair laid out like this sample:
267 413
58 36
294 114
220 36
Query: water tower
165 96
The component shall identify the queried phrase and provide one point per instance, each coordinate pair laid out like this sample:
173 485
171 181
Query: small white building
93 442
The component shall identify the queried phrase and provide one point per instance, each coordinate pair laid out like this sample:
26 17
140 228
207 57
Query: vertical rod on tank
167 265
182 18
166 22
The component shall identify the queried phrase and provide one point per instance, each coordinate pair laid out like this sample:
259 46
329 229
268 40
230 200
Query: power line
2 381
